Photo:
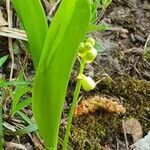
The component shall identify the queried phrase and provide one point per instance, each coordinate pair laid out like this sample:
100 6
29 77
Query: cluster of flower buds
87 52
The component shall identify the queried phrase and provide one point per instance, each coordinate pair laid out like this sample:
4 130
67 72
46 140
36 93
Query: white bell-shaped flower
87 82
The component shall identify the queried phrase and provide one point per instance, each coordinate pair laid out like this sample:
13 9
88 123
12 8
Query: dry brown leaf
13 33
2 20
9 126
11 146
37 142
133 127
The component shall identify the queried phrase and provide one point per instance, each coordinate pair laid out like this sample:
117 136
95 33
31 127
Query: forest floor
125 77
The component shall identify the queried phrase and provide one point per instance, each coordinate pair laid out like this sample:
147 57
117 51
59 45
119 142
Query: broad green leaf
67 30
33 18
2 60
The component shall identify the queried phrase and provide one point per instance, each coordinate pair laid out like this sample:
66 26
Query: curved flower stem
75 99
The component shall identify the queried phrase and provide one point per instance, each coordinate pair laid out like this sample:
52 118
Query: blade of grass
33 18
64 35
28 129
2 60
23 104
19 91
30 122
25 117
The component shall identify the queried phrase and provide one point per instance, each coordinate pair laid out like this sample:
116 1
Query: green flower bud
91 40
81 49
87 82
90 55
88 45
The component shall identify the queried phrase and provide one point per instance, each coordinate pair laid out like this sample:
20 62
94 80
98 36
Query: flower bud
87 82
81 49
91 40
88 45
90 55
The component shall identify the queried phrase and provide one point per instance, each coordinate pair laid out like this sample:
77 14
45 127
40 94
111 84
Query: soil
125 75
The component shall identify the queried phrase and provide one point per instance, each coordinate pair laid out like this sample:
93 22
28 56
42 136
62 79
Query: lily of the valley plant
54 50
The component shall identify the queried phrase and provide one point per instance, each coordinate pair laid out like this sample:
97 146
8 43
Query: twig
146 44
117 145
53 9
100 16
125 136
10 44
145 118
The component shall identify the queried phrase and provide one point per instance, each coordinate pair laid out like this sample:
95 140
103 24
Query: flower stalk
86 82
75 99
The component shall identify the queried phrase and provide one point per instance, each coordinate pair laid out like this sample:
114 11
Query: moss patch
92 130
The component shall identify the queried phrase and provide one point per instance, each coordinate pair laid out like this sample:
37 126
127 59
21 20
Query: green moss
92 130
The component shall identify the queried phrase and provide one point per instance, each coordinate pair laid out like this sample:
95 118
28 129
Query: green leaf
94 7
4 83
67 30
25 117
106 3
19 91
33 18
99 27
2 60
22 104
26 130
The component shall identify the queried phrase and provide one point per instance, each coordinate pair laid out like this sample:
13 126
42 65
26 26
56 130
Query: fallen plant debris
132 126
3 22
93 103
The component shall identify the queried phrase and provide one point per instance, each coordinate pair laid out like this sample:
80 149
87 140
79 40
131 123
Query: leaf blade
3 59
33 18
69 26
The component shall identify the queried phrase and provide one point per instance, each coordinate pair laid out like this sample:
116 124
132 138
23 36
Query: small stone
132 37
140 38
124 35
